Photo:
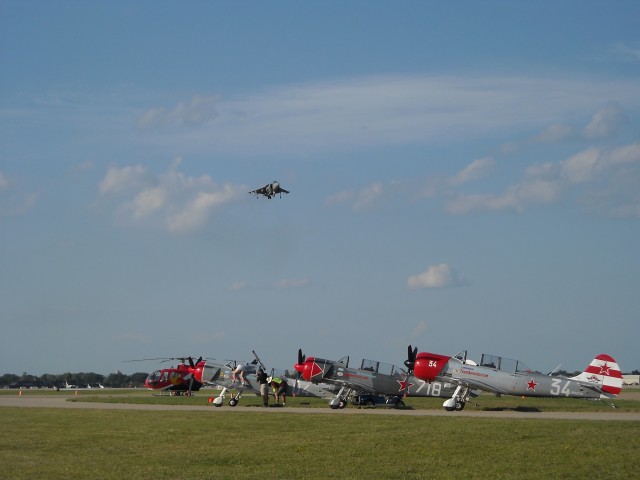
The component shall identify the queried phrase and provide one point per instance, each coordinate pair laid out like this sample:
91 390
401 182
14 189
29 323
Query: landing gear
219 400
458 401
340 400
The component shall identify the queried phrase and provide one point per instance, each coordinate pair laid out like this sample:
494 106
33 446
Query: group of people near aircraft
265 382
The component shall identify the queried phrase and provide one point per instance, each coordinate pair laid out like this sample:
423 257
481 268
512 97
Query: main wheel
342 404
233 402
460 406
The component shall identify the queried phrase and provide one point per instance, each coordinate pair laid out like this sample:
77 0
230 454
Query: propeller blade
301 357
410 362
192 365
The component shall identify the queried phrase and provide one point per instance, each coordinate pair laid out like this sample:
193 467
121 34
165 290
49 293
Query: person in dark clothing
261 377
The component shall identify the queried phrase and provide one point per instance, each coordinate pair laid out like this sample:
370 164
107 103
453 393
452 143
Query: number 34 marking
558 389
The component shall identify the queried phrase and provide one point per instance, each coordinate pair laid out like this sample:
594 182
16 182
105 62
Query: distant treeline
80 380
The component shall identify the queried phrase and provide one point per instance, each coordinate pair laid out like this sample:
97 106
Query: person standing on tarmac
262 377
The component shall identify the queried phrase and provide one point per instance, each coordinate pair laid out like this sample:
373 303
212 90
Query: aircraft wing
475 385
259 191
283 190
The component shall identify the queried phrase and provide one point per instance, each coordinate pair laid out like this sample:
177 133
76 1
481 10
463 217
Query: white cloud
119 179
549 182
184 203
436 276
148 201
237 286
197 111
592 162
366 112
194 214
606 122
555 133
14 200
473 171
581 166
365 198
533 190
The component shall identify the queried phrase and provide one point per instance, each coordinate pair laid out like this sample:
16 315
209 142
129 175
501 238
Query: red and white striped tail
605 372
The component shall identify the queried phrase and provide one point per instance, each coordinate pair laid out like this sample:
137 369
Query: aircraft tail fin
604 372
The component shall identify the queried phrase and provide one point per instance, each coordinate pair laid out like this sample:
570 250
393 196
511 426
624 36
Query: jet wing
284 191
259 191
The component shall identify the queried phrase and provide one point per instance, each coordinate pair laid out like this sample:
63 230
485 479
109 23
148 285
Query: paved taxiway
64 401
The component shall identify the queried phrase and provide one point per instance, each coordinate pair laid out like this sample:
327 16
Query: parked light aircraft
270 190
191 375
601 379
183 379
372 378
220 375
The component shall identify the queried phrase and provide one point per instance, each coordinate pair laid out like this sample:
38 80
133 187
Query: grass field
484 402
105 444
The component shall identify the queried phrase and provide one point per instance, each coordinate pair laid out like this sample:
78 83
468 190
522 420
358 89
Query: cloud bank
182 203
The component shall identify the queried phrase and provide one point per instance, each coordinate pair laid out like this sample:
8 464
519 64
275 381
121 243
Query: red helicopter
183 379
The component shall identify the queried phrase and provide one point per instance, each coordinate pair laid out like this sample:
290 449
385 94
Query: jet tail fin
603 372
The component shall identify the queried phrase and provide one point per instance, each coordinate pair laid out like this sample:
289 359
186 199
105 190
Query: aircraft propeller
301 360
410 362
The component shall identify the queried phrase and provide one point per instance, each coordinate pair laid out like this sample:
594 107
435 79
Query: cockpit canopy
379 367
503 364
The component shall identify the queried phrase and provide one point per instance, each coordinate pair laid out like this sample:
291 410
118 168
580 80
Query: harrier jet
270 190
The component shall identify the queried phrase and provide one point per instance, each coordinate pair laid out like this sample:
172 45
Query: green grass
483 402
105 444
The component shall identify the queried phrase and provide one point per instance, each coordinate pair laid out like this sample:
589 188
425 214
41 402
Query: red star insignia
604 369
403 385
531 385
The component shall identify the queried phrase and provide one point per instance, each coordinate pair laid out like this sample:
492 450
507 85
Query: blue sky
463 175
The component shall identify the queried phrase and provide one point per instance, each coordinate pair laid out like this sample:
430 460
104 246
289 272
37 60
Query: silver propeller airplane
270 190
221 375
371 380
601 379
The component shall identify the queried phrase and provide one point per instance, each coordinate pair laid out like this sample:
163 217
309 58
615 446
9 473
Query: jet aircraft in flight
270 190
